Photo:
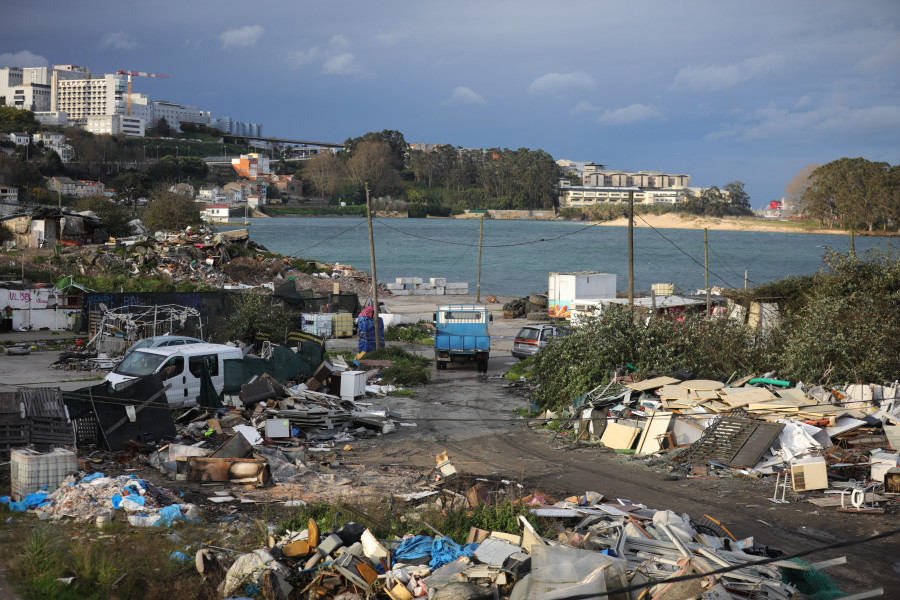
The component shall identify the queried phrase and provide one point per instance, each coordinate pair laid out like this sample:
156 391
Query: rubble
833 441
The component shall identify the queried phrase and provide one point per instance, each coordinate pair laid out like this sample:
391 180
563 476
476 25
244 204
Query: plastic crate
342 325
31 470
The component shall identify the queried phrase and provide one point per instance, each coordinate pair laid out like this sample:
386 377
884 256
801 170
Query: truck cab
461 334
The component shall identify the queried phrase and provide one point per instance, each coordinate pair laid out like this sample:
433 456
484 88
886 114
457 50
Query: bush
418 333
169 211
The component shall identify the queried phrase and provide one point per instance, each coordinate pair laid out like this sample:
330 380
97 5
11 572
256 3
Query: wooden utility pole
478 284
374 278
706 267
631 249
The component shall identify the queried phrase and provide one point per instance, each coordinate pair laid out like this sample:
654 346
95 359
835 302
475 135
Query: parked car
532 338
162 341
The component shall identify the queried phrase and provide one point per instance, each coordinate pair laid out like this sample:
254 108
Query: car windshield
139 364
145 343
529 333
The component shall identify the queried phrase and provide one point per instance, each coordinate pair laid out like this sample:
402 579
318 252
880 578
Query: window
173 367
195 364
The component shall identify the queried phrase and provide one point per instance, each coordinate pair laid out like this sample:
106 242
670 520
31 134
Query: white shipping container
565 288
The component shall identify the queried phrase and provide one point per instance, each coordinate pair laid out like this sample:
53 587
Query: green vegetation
839 325
520 369
417 333
115 216
169 211
61 550
385 523
255 316
315 211
408 368
854 193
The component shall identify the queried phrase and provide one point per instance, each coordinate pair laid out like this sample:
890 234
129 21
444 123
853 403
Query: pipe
778 382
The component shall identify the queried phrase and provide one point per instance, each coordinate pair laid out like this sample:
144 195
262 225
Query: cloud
826 122
629 114
386 39
23 59
712 78
561 83
118 40
464 95
888 58
242 37
342 64
583 107
335 57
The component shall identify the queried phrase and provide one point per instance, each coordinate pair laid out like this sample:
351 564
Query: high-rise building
82 98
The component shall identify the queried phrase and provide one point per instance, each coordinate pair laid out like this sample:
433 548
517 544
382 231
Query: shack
46 226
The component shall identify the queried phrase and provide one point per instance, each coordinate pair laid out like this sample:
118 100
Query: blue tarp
441 550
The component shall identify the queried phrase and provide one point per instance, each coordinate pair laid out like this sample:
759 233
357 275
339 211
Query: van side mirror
490 317
434 317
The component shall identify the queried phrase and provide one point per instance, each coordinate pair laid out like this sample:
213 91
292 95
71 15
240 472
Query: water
517 255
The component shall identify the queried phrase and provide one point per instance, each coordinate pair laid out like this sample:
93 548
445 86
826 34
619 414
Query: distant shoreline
673 221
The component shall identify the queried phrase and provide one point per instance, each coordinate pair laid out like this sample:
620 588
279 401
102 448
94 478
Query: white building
9 194
56 142
82 98
54 117
114 124
212 194
176 114
19 138
215 213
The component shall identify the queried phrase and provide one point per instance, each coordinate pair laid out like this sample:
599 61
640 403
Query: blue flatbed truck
461 334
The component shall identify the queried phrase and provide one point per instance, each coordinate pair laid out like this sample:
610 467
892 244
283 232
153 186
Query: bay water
518 255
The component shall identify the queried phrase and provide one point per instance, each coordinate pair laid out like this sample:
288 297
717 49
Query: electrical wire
328 239
526 243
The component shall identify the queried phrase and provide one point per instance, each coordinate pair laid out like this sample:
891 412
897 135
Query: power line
526 243
328 239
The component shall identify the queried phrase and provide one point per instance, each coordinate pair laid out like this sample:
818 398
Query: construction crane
136 74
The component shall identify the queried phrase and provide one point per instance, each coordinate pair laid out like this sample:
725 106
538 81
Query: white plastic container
31 470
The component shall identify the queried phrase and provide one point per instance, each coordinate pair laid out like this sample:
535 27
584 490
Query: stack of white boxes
436 286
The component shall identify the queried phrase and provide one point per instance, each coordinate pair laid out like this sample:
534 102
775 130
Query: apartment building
229 125
176 114
610 186
251 165
82 98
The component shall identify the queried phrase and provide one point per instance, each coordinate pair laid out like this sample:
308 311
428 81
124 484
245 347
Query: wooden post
374 278
478 284
706 267
631 249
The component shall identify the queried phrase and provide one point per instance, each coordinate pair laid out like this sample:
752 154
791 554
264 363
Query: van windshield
139 364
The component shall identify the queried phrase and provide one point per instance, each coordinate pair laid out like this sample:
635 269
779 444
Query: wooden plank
702 384
657 425
619 437
651 384
736 397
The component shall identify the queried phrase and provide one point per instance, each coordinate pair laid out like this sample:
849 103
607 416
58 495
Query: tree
737 197
129 187
254 314
169 211
162 128
854 190
794 189
373 162
394 139
324 171
115 216
16 119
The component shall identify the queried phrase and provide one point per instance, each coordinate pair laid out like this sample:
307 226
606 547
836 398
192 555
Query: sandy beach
674 221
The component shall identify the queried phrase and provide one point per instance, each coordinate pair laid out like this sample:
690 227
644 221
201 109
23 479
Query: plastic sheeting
441 550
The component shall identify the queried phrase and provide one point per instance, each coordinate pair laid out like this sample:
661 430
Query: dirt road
472 419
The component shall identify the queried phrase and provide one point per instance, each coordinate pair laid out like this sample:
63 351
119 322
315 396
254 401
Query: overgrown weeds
408 368
416 333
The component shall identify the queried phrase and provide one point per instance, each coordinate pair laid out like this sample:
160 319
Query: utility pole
478 285
374 278
631 249
745 279
706 267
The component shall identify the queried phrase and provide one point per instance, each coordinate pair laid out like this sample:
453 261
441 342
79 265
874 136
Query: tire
482 365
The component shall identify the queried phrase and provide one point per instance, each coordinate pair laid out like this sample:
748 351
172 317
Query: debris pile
810 437
583 546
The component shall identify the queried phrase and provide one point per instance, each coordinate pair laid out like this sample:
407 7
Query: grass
520 369
405 393
117 561
408 369
387 521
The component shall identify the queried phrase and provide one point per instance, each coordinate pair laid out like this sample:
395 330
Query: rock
463 591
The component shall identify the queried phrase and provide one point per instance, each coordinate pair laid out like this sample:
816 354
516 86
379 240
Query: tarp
208 396
285 365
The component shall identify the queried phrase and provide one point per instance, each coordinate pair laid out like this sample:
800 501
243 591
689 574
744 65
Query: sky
719 90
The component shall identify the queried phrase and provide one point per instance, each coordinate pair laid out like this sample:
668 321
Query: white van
178 366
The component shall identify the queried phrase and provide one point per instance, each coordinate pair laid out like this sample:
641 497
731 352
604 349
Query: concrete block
423 292
425 286
439 291
402 292
438 281
405 280
394 286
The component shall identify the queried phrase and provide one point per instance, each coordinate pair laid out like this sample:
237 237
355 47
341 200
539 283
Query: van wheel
482 365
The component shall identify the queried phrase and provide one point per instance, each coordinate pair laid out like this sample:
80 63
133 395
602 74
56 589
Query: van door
195 370
172 373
